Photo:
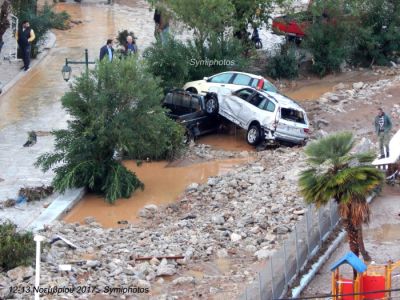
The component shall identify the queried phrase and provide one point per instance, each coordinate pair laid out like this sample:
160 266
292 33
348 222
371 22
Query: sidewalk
381 237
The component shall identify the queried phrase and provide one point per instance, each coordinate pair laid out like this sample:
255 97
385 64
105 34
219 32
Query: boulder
20 273
263 254
218 219
183 280
358 85
192 187
166 270
235 237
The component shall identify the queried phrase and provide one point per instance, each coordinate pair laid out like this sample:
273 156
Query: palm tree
335 173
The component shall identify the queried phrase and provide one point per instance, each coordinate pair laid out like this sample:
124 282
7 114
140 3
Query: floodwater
36 98
163 184
232 141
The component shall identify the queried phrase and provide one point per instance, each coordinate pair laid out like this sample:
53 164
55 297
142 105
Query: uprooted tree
115 113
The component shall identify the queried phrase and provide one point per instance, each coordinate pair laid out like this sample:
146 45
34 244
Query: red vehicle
293 25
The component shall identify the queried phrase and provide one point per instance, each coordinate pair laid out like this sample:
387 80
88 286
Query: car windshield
290 114
269 87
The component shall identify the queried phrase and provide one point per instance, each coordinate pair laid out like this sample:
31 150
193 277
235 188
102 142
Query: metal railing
283 267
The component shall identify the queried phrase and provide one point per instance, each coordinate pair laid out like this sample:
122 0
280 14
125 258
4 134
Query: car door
252 109
232 105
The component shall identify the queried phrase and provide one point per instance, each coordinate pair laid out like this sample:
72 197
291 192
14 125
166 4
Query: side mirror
205 78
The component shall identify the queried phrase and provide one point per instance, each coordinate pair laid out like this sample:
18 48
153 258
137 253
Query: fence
304 241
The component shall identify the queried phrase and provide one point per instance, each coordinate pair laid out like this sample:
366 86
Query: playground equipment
372 282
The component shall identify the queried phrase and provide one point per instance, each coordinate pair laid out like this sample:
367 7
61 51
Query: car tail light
306 130
260 84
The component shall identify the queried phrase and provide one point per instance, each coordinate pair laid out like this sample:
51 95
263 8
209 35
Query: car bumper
274 136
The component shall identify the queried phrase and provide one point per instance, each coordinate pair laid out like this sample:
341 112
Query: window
257 100
269 87
292 115
244 93
269 106
242 79
254 83
221 78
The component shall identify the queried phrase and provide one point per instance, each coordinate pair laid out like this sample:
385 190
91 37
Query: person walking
107 50
130 46
25 38
383 125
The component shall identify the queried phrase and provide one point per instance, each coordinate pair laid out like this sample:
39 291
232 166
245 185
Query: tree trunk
361 245
353 236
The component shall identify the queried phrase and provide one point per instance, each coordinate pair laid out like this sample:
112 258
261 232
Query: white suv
231 80
265 115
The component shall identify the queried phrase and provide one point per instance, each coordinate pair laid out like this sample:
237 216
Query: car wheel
253 135
259 45
212 105
192 90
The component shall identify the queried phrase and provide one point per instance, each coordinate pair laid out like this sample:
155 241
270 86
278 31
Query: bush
16 248
169 62
284 64
376 38
115 109
122 35
177 62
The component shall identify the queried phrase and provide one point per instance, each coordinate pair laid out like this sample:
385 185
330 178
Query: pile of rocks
244 214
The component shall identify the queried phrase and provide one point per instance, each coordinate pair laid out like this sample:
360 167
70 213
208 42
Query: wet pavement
34 102
382 240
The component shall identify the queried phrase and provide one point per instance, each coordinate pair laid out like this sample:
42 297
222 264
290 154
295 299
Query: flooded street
163 185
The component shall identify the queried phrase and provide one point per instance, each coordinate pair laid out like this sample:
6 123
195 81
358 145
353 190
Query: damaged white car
265 115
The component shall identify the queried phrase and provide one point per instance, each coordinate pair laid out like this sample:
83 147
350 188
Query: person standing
163 27
130 46
157 20
107 50
383 125
25 38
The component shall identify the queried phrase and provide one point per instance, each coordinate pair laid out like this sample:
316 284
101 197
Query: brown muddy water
233 141
163 184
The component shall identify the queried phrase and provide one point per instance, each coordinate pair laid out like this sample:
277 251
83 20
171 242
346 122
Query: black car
189 110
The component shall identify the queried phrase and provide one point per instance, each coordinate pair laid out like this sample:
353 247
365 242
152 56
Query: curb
46 49
57 208
307 278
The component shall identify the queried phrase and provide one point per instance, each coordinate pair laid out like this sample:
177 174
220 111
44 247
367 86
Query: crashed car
265 115
189 110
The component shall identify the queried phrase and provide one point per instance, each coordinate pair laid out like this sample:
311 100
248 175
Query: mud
233 141
163 184
310 89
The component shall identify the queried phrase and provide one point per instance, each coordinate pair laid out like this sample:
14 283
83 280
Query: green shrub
284 64
177 62
16 248
116 109
169 62
122 35
376 38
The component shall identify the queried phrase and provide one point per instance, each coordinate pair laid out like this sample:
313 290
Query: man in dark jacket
25 37
383 125
107 51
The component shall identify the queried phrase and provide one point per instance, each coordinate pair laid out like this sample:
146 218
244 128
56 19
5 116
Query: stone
263 254
222 253
340 86
92 264
358 85
218 219
251 248
20 273
154 261
281 229
319 122
5 287
334 99
143 284
166 270
89 220
299 212
183 280
235 237
148 211
365 145
192 187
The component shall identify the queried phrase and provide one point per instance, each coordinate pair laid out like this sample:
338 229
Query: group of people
107 51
